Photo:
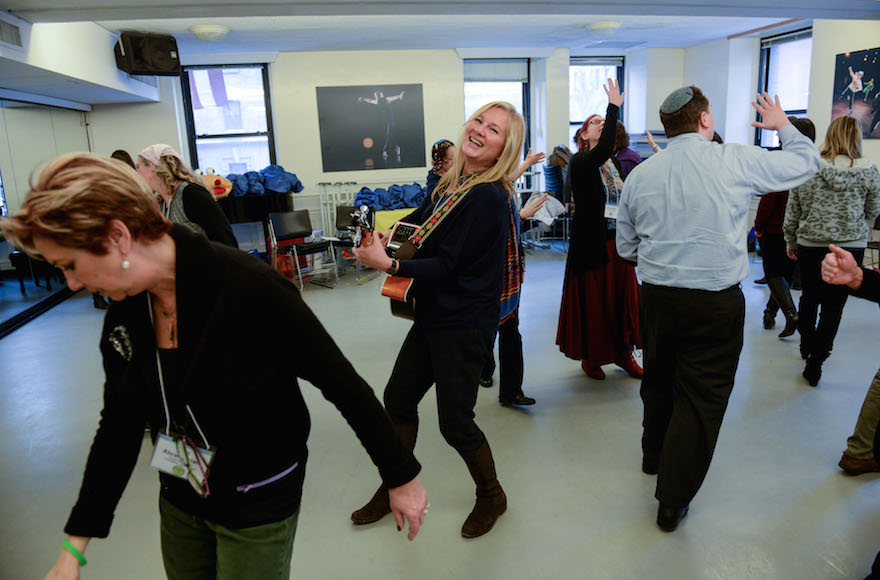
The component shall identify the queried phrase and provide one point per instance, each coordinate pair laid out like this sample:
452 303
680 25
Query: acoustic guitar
398 288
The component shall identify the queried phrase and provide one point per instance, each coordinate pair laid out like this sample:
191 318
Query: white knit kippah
676 100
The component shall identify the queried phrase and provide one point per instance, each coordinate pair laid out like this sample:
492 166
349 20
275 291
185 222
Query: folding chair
291 226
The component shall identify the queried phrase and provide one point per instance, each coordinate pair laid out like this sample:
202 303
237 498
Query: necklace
171 316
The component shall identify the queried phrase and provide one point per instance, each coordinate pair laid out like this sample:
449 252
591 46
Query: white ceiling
269 26
279 25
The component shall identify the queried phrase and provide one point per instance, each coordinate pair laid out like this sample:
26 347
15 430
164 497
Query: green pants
861 444
195 549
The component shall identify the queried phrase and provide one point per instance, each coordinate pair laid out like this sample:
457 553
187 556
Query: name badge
611 212
173 456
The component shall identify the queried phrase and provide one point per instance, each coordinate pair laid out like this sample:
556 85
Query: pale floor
774 505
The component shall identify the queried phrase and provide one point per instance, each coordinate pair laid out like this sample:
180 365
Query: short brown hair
687 118
74 199
622 137
805 126
844 137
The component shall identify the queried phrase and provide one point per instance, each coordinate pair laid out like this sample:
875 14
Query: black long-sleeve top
245 336
459 268
587 248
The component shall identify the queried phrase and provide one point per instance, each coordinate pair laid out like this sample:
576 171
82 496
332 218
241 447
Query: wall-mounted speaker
139 53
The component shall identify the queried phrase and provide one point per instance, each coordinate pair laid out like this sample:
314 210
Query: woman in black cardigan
196 342
458 273
598 318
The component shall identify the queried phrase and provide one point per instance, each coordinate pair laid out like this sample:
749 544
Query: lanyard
162 386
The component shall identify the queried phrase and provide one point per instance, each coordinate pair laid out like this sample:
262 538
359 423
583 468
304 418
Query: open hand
772 114
612 89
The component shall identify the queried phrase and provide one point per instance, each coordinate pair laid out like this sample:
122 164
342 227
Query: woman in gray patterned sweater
830 208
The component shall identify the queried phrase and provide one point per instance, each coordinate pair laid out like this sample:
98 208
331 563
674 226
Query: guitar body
398 288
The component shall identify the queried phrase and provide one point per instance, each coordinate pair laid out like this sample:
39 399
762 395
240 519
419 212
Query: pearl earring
126 264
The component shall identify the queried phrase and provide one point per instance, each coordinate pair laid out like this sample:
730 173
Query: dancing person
458 272
184 199
682 217
442 156
510 353
841 268
853 88
778 267
386 111
830 208
598 317
170 358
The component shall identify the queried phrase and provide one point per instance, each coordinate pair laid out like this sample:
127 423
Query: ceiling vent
13 31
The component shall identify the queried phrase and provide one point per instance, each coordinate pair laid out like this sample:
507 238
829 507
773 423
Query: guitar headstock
363 220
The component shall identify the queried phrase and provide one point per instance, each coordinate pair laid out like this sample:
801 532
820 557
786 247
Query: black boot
379 505
781 294
491 500
770 313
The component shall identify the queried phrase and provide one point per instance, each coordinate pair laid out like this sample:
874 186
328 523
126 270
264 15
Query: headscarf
154 153
438 153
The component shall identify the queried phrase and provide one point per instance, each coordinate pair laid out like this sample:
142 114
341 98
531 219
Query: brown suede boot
491 500
379 505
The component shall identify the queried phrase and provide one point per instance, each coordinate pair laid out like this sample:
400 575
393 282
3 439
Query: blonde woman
184 198
830 208
458 276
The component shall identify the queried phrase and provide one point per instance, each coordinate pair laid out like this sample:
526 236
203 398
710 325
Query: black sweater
245 336
587 248
458 270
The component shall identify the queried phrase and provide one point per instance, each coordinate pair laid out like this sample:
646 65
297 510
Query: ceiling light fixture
604 27
209 32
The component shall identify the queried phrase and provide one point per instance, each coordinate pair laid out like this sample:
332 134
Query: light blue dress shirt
682 215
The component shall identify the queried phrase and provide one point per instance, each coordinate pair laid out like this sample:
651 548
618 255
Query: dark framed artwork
857 89
371 127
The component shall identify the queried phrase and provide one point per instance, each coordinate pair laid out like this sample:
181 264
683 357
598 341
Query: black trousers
818 339
692 343
452 359
510 357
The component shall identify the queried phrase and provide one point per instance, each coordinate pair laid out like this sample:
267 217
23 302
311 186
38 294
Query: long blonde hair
503 170
844 137
171 171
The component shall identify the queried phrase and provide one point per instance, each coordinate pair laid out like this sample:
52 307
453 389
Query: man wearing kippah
682 219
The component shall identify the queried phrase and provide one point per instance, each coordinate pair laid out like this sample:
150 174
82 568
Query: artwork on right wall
857 89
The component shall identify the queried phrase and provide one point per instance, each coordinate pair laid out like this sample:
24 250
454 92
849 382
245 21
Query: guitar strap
409 248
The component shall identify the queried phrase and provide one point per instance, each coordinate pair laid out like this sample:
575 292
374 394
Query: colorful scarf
513 268
612 182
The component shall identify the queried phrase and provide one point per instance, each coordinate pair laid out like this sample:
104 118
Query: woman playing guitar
458 273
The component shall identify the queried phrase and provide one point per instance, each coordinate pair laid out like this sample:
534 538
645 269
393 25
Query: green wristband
76 553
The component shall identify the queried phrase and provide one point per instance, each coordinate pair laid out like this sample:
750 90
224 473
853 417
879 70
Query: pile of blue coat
395 197
272 179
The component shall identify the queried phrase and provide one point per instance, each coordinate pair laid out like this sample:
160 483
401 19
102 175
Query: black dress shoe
668 517
486 382
520 399
761 280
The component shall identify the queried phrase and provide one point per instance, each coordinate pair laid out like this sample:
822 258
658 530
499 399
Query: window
229 117
785 71
586 77
487 80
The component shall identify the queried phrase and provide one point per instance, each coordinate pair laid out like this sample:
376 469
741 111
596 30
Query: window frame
191 135
526 95
594 61
767 43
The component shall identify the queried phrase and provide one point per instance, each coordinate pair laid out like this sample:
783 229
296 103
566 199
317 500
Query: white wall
742 84
830 38
705 66
295 76
557 99
134 126
664 73
636 91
